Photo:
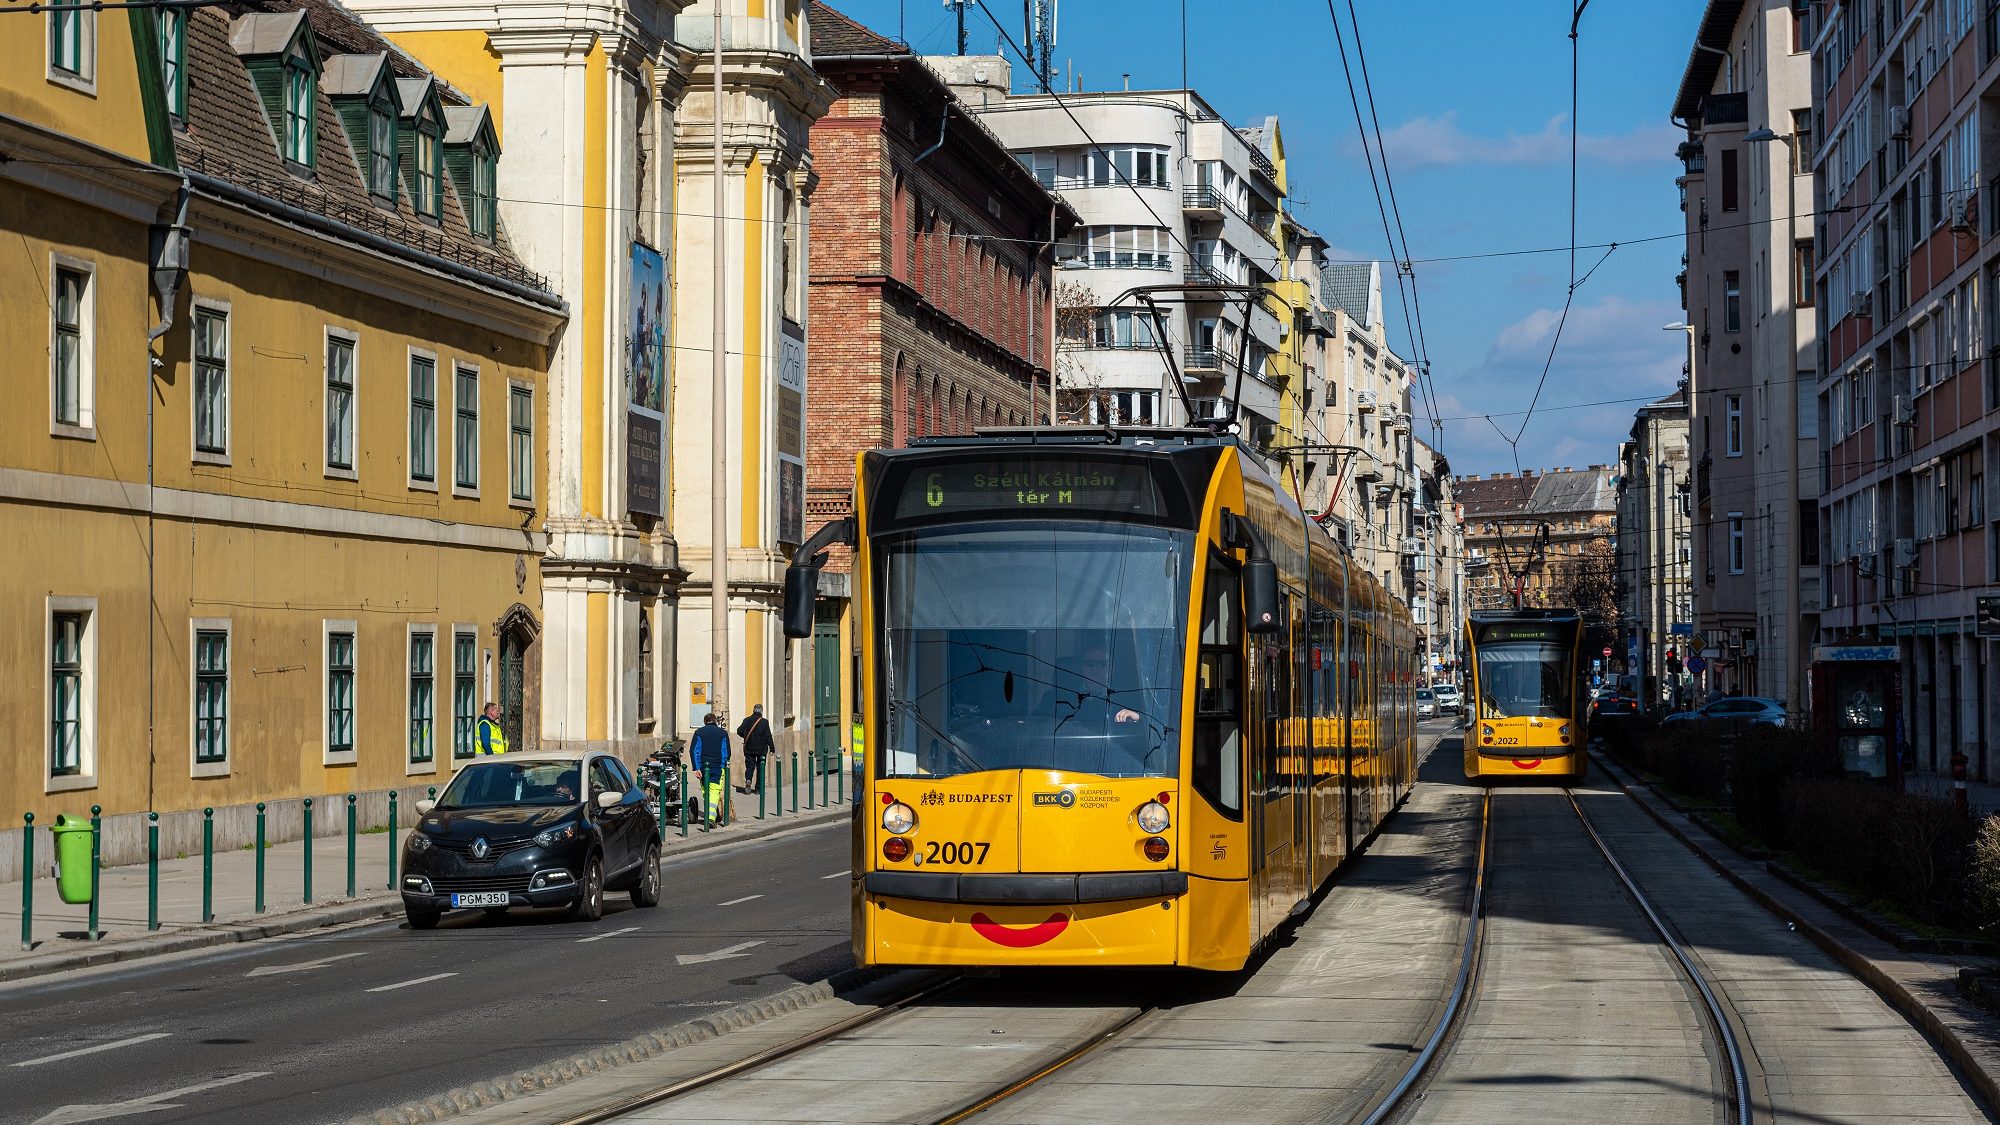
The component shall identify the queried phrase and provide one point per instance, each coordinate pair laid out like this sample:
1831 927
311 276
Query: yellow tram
1525 716
1124 705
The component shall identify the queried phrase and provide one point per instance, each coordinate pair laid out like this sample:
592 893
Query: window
1217 765
422 676
69 360
483 214
1802 142
211 696
465 428
1732 301
1122 328
340 689
300 110
1732 425
464 714
173 58
423 419
382 144
1802 273
1142 166
521 444
66 692
211 382
428 201
1736 542
340 404
1729 189
1130 247
72 42
1801 26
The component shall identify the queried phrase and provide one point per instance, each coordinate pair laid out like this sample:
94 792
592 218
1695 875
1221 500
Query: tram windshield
1524 679
1033 646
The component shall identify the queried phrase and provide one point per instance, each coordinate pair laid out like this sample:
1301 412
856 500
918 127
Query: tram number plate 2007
948 851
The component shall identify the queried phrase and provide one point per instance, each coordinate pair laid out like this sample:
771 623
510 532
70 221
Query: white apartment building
1374 501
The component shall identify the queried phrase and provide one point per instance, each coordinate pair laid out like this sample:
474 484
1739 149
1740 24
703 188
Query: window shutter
268 75
458 165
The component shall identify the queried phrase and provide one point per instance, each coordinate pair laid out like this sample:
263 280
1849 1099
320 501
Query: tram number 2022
1507 740
948 851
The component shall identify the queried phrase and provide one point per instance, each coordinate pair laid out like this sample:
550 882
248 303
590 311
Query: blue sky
1474 100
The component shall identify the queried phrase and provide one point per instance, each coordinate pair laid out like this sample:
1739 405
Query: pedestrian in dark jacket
708 753
757 742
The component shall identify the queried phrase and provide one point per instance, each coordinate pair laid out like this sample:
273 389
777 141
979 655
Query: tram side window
1218 753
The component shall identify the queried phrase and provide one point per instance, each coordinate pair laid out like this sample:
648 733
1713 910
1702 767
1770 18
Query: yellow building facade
272 491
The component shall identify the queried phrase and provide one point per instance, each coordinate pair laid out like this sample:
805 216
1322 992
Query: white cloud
1438 141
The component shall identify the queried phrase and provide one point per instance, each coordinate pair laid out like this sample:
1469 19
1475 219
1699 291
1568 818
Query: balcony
1199 274
1202 202
1725 109
1198 362
1701 474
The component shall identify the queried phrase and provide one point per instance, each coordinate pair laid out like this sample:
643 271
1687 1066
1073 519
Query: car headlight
556 835
419 842
1153 818
898 818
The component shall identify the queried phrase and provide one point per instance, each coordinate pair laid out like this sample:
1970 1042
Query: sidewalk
1982 797
60 932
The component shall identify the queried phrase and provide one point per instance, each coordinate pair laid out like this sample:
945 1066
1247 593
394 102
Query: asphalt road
326 1027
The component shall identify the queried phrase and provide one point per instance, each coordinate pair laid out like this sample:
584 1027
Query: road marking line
739 901
842 874
274 970
76 1114
408 983
718 955
112 1046
601 937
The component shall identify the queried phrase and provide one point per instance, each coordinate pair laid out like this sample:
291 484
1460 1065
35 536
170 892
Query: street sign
1987 621
1607 650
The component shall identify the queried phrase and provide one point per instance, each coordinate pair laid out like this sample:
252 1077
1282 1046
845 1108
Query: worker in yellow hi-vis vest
708 753
860 745
491 738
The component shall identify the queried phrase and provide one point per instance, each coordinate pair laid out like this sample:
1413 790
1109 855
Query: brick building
1502 516
929 285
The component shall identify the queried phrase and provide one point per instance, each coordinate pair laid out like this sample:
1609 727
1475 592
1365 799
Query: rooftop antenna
959 6
1040 16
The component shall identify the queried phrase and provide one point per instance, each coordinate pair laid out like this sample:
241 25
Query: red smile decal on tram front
1039 934
1527 765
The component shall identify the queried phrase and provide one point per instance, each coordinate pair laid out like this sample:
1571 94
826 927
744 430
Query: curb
1893 991
552 1075
384 905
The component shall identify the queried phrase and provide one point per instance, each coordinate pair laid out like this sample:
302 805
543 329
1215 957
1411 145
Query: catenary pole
718 688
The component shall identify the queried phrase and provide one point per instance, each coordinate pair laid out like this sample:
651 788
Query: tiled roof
1493 495
834 34
264 33
1560 492
1350 287
226 135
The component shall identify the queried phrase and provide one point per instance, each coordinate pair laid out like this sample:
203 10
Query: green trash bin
73 840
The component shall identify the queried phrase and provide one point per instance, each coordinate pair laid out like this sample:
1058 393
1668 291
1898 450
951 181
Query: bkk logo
1061 798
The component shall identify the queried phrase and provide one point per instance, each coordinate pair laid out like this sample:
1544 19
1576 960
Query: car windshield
485 785
1423 695
1034 646
1523 679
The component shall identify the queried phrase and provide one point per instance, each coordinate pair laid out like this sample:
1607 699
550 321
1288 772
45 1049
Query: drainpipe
169 264
943 120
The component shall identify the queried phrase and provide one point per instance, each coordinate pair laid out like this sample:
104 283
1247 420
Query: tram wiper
960 749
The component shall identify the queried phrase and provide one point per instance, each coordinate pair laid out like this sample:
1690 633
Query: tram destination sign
1042 486
1500 632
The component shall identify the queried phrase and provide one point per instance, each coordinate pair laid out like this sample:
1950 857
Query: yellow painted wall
588 315
109 117
466 60
275 586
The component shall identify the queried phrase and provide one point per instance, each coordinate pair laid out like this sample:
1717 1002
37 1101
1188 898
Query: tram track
1431 1061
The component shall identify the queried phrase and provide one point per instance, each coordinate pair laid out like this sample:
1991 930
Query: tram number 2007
948 851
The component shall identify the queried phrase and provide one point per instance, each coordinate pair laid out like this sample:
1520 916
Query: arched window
899 409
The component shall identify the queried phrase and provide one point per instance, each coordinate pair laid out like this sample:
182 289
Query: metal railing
1202 198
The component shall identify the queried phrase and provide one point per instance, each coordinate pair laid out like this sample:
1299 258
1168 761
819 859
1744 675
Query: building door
829 729
512 668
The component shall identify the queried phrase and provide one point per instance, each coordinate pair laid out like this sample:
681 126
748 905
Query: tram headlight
1563 733
898 818
1485 732
895 849
1153 818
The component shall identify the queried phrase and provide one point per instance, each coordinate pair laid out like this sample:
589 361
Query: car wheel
422 919
589 904
646 892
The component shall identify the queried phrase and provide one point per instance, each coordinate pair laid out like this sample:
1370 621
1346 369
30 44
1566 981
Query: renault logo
480 848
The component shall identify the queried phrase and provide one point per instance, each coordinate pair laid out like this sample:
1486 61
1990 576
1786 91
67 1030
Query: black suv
541 829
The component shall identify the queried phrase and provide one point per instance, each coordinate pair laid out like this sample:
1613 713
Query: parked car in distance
1734 714
1426 704
1614 717
532 829
1447 698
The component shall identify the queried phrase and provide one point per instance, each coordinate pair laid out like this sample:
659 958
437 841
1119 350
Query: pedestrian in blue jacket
709 755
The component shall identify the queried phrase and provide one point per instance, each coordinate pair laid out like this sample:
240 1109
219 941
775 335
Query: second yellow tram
1123 704
1525 713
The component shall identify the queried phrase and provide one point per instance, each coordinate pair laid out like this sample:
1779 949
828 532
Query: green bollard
207 866
260 857
308 856
27 880
152 871
96 867
350 845
663 812
687 779
760 792
795 782
778 784
728 800
392 839
840 780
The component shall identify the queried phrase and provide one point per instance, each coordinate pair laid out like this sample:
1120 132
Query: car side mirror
609 799
425 806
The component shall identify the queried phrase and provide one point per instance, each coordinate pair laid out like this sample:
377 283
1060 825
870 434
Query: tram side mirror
1260 596
801 591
